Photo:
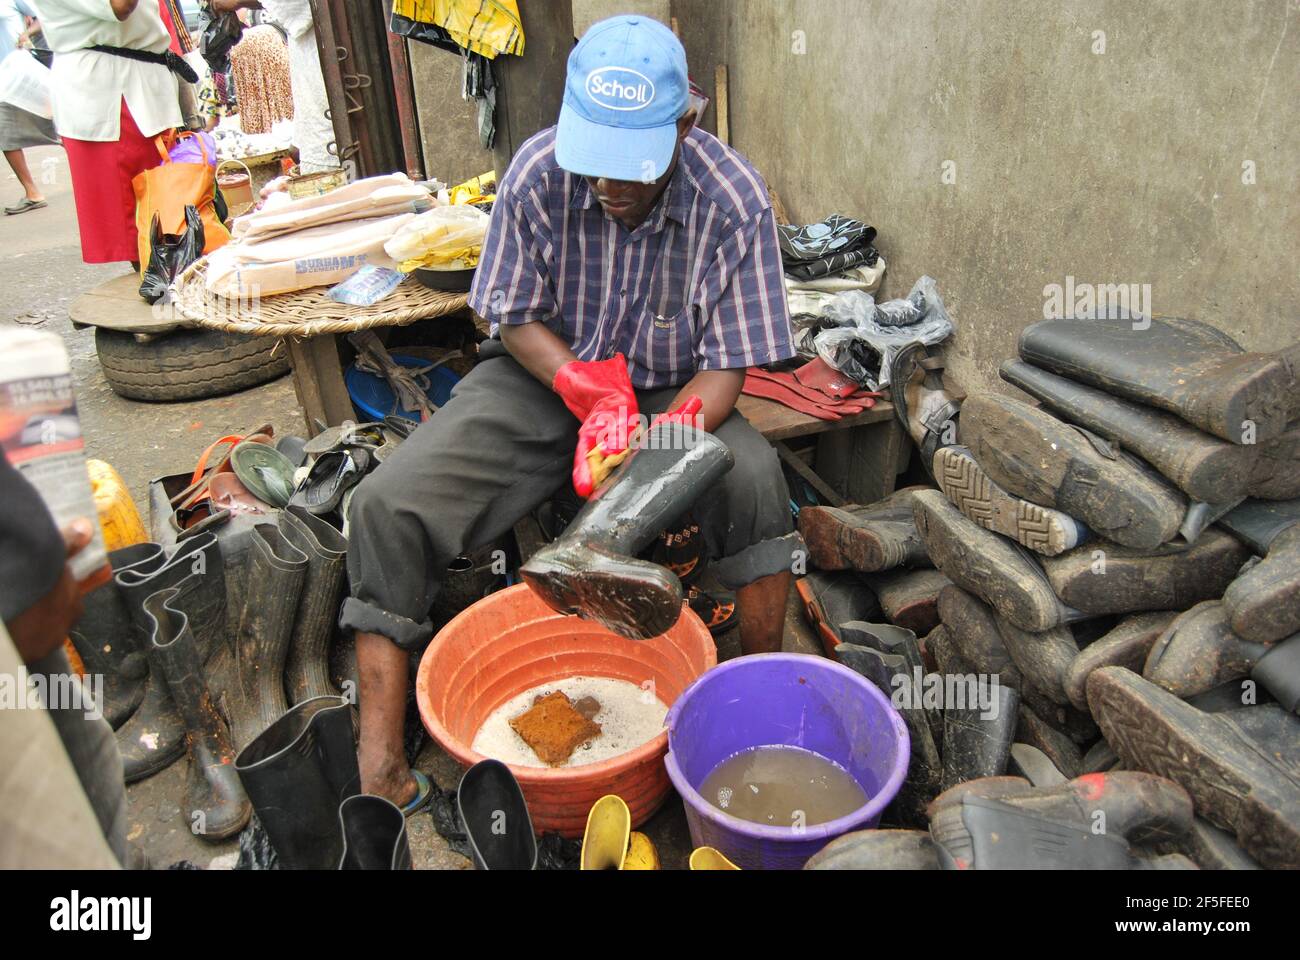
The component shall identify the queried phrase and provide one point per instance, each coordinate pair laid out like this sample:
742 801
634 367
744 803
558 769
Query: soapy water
629 716
781 786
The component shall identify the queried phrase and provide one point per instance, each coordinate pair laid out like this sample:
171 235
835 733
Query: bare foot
390 778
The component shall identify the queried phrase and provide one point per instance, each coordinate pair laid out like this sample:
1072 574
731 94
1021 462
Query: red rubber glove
686 413
599 393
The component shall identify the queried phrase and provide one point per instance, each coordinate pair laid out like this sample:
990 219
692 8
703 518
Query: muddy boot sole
986 565
1126 646
877 850
1263 604
910 599
1198 651
1235 782
1031 454
1107 579
1204 467
1277 471
633 598
1188 368
974 493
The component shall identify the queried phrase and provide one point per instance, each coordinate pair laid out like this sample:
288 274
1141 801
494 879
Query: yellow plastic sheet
486 27
445 237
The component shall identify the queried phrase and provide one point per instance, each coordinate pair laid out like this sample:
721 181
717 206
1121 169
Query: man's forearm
718 391
537 348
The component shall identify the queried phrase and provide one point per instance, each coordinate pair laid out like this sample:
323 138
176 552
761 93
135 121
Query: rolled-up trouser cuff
759 560
361 617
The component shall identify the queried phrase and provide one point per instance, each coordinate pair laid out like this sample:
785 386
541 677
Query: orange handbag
166 190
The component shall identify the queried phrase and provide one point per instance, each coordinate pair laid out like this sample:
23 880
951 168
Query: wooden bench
857 459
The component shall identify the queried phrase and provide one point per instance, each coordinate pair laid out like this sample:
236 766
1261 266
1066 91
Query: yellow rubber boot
707 858
641 853
609 829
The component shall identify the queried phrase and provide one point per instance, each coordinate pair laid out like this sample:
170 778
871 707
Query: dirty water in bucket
629 716
782 786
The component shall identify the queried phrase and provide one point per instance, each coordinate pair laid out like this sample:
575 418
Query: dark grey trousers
502 445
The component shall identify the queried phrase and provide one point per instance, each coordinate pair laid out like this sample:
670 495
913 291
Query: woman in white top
108 108
20 129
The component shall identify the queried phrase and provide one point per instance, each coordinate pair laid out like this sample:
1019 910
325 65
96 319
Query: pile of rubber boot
197 661
1120 820
1121 574
1122 555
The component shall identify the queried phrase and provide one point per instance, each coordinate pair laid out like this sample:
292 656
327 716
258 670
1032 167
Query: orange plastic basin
511 641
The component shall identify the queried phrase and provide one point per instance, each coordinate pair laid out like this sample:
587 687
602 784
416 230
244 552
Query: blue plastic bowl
374 398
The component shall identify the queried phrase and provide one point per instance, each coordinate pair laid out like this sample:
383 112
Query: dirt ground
42 273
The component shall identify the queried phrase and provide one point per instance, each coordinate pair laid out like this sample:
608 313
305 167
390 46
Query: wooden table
318 377
116 305
858 459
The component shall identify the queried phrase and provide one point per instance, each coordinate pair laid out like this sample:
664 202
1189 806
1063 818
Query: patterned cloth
485 27
698 286
259 64
822 249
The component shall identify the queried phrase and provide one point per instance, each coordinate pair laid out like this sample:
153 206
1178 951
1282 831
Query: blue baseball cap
625 90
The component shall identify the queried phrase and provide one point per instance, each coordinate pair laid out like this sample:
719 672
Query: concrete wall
587 12
1112 159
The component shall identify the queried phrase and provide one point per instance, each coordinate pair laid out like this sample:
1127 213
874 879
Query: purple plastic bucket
783 699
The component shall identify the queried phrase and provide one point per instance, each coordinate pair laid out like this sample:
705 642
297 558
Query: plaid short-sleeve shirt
697 286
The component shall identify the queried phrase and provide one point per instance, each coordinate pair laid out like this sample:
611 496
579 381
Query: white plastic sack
25 82
867 334
444 237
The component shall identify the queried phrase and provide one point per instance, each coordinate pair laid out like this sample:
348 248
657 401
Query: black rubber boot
1198 651
1188 368
1127 645
497 823
1257 523
1107 578
831 599
976 743
592 570
154 737
894 674
1277 471
1264 602
105 639
275 579
922 404
217 805
296 773
1204 467
1033 455
877 850
910 598
996 570
1240 767
1085 823
306 673
870 538
373 834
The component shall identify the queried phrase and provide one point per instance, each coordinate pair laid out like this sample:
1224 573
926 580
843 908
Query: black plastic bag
220 34
169 255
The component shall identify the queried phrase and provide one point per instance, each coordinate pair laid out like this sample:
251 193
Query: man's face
630 201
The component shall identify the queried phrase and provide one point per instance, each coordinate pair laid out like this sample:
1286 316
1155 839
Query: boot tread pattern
974 494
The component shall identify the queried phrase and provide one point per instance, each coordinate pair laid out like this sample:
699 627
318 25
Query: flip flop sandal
681 551
718 613
423 794
332 475
264 471
198 487
23 205
345 435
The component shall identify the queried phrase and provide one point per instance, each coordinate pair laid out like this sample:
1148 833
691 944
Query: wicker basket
304 313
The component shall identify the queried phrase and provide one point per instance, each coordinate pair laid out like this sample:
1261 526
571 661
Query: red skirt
101 187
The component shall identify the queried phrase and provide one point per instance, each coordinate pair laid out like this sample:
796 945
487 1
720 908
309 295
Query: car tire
187 364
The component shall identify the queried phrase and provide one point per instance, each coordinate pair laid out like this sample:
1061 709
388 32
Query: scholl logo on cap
619 88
